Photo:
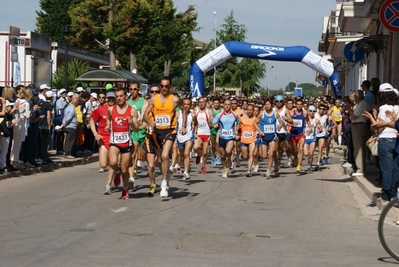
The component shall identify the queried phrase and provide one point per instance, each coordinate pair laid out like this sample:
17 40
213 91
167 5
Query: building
34 58
358 25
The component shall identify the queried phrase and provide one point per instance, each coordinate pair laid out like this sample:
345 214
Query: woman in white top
21 115
387 143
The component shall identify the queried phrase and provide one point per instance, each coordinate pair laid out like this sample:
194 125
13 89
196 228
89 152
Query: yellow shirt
336 114
164 113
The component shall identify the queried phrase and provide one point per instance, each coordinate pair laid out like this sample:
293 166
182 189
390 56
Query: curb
58 164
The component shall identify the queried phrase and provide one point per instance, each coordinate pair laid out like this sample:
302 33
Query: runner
282 143
237 147
336 115
248 137
121 118
258 143
310 137
185 142
162 106
299 117
228 124
214 134
202 118
138 154
266 125
98 123
321 132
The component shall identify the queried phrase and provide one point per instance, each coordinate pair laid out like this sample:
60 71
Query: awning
101 75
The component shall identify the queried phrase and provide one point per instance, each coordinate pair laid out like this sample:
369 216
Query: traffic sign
389 15
353 52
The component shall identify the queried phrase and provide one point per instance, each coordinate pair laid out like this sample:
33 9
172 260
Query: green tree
52 17
75 69
290 87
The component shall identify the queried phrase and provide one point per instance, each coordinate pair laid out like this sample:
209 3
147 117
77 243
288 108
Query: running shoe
232 164
326 160
298 168
101 170
317 167
186 176
267 174
125 193
218 160
229 164
198 159
164 189
177 169
248 174
237 161
213 162
107 190
224 175
117 178
340 147
138 163
276 168
256 169
309 169
295 162
289 164
130 185
153 189
347 165
203 170
171 169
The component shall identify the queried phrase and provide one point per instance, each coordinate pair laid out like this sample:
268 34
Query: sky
270 22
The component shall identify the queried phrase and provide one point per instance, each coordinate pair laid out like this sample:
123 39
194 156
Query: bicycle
388 228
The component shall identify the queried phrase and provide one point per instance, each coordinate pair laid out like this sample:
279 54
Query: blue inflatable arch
260 51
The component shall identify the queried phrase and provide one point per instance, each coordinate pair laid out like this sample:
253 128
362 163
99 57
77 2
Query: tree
53 16
290 87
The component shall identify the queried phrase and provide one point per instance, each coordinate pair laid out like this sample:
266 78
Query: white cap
43 86
79 89
49 94
387 87
94 95
62 91
70 94
8 103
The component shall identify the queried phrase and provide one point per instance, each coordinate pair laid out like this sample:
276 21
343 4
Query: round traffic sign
389 15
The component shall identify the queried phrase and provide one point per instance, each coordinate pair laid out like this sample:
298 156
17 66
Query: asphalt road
62 218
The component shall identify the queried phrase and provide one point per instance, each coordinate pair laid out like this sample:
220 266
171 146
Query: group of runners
167 129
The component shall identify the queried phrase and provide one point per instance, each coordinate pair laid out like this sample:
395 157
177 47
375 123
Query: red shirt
100 116
120 127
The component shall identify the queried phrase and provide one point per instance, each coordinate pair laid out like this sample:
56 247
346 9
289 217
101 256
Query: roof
101 75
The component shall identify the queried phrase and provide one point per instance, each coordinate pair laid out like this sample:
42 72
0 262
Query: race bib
248 134
162 120
337 115
297 123
227 132
202 125
121 138
268 128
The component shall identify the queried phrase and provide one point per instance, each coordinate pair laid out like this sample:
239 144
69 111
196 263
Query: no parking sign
389 15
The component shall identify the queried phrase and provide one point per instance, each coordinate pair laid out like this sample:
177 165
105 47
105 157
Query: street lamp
214 68
66 30
268 84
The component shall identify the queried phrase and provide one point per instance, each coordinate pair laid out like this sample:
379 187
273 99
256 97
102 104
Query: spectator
31 141
59 109
359 131
70 124
42 92
368 94
375 87
45 127
347 132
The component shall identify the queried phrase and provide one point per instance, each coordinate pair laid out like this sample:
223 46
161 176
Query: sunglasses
165 86
101 97
322 108
154 92
279 101
133 89
312 110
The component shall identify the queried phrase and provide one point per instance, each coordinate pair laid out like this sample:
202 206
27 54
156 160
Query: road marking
123 209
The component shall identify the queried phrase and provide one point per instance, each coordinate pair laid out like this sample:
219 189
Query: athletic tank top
312 135
298 123
138 105
268 123
323 123
189 128
336 114
248 130
227 123
282 115
120 127
164 113
203 122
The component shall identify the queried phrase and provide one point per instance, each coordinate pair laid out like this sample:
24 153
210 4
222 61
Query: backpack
58 114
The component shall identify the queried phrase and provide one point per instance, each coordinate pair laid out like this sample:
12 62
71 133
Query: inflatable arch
260 51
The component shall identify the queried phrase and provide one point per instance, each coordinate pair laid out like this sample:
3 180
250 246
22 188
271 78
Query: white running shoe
138 164
171 169
256 169
101 170
347 165
164 189
107 190
186 176
224 175
131 183
267 174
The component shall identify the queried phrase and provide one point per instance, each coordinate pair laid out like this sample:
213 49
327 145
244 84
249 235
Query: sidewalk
367 183
59 162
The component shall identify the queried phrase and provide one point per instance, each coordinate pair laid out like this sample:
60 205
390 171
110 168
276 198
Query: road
63 219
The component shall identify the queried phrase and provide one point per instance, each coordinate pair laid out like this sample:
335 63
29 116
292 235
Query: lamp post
268 84
214 68
66 30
